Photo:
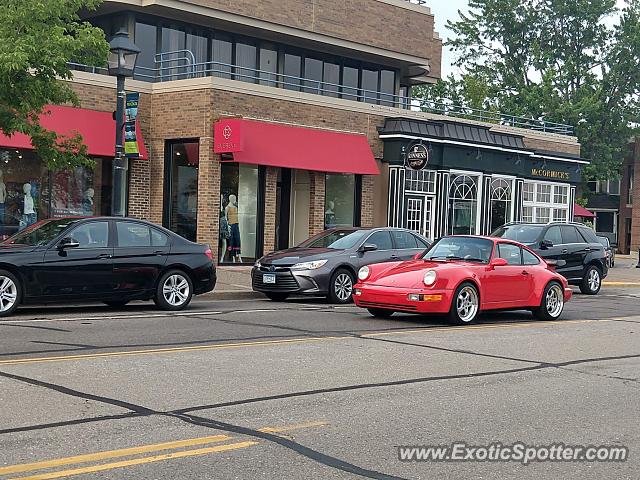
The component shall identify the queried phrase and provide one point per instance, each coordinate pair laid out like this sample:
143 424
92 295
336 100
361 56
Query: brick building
315 98
629 220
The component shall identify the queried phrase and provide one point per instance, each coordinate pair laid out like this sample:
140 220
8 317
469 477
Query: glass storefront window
463 208
339 200
30 193
239 184
500 202
181 176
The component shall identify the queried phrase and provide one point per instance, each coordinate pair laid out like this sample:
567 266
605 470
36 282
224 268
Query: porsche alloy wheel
552 303
465 305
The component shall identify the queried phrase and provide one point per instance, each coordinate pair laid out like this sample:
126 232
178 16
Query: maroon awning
278 145
582 212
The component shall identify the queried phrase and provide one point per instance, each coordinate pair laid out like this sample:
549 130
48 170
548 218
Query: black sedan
112 260
327 264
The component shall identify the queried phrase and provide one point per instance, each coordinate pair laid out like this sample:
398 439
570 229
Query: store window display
182 181
238 213
340 198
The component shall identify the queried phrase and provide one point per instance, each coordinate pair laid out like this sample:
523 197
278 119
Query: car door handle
104 255
159 252
524 272
565 251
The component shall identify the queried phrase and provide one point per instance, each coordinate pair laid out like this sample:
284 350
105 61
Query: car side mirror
68 242
499 262
368 247
544 244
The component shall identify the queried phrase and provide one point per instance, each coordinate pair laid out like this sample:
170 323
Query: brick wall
316 204
271 185
368 22
369 202
635 219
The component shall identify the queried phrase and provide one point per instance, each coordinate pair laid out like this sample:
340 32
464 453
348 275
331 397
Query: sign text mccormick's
540 172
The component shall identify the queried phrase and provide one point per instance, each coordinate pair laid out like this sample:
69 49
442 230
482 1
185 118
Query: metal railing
181 64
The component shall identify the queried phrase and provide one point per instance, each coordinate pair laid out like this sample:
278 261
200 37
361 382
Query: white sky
448 10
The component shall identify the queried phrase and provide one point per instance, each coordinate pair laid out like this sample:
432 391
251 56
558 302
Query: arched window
501 196
463 204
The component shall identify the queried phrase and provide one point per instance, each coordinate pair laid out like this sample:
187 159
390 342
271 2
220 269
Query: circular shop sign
417 156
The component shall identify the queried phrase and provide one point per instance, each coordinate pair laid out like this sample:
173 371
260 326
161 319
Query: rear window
589 235
404 240
519 233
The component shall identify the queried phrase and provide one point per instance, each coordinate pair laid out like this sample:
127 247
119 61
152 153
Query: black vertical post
120 162
638 265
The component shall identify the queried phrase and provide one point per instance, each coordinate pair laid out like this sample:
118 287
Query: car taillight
209 253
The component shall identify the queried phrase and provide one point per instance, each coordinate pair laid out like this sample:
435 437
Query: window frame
69 234
388 232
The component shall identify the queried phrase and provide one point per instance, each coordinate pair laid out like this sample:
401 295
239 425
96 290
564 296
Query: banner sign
131 114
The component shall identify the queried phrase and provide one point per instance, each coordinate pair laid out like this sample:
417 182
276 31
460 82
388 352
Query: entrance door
419 212
300 202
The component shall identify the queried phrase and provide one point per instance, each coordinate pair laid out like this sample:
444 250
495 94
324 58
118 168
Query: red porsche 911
462 276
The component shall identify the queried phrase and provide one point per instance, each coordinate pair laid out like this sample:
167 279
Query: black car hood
292 256
15 248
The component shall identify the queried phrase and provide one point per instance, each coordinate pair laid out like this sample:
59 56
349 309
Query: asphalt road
303 390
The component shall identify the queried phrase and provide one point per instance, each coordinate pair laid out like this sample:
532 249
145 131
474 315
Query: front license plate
269 278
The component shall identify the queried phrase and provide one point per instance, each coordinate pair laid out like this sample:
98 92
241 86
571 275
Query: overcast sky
448 10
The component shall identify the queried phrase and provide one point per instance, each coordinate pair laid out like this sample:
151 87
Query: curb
231 295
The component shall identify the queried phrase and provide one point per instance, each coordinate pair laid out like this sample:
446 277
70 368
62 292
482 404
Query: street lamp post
122 60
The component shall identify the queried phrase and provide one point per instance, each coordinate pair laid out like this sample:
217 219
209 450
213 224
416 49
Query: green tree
37 39
554 59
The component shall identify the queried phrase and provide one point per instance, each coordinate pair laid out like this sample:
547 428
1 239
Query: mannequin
28 213
329 215
87 201
224 233
231 213
3 196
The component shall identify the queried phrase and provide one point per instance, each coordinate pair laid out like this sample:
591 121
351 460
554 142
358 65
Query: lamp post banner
131 114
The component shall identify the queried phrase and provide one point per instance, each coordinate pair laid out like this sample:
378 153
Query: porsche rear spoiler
556 263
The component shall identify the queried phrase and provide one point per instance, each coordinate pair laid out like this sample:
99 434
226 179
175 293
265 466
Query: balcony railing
181 65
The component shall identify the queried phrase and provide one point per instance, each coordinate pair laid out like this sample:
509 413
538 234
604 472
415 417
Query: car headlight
430 278
257 264
309 265
363 273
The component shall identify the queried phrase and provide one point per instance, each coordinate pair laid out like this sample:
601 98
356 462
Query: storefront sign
227 136
554 174
131 114
417 157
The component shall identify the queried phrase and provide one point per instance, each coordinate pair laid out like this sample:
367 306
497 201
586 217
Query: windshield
337 239
470 249
39 233
519 233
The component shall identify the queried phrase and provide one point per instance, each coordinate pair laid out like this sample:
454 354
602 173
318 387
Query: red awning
582 212
97 130
277 145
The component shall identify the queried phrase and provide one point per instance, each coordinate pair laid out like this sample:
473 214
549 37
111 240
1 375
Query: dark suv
585 263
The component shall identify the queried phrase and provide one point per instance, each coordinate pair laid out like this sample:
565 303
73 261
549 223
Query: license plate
269 278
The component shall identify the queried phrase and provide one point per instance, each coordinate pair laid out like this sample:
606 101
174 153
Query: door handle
105 255
524 272
159 252
565 251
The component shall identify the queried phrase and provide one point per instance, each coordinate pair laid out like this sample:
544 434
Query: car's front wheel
465 305
380 312
277 297
552 303
592 281
10 293
174 291
341 286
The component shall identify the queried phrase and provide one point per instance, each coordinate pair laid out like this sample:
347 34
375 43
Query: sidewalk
625 273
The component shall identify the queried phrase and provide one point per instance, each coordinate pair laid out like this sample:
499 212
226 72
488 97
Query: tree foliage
561 60
37 39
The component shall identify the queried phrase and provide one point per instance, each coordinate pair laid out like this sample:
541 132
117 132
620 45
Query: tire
552 303
10 293
116 303
465 305
174 291
380 312
341 286
592 281
277 297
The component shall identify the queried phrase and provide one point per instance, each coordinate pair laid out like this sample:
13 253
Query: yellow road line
622 284
289 428
138 461
224 346
124 452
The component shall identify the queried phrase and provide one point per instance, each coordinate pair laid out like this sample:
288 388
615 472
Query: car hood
15 248
292 256
410 274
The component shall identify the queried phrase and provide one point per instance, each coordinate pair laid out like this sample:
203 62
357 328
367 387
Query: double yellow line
138 451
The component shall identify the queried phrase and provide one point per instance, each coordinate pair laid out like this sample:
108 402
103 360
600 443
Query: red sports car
461 276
